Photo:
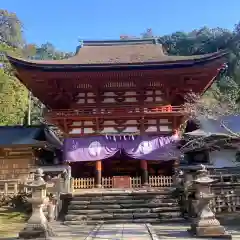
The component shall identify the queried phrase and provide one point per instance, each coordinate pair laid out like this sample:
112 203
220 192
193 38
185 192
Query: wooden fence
9 187
12 187
107 182
160 181
15 186
227 197
227 191
83 183
135 182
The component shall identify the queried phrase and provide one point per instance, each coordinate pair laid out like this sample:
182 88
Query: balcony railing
113 111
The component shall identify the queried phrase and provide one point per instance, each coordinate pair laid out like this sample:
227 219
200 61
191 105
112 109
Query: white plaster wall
223 158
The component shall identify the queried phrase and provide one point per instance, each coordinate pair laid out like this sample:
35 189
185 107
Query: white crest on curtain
94 148
145 147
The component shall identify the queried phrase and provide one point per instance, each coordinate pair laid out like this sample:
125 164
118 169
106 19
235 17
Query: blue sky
64 22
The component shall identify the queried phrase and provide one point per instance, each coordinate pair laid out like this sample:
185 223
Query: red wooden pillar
98 174
144 168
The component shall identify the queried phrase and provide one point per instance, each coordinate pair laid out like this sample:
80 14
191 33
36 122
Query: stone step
109 216
132 206
121 206
128 210
117 221
121 201
123 193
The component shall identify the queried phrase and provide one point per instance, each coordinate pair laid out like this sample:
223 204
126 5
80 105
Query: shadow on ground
11 222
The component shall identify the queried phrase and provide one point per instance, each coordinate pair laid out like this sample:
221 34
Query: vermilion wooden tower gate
118 87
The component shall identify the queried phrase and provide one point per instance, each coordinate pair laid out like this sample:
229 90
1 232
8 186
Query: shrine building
119 104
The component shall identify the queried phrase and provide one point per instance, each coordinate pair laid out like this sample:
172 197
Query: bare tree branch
214 107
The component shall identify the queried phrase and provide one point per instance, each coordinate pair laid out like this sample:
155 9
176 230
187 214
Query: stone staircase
123 206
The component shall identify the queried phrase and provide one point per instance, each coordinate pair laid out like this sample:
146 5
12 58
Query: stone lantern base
35 231
210 228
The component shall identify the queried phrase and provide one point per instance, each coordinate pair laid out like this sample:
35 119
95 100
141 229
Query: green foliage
13 95
10 29
48 52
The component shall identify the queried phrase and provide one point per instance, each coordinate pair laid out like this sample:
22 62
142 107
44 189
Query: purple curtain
138 147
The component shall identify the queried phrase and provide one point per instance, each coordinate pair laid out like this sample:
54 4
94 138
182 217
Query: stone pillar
37 225
98 174
205 224
69 170
175 172
51 208
144 168
66 175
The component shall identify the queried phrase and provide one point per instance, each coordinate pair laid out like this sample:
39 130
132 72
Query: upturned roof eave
21 63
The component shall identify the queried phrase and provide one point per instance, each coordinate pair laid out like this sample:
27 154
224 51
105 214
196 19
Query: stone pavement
122 232
104 232
128 232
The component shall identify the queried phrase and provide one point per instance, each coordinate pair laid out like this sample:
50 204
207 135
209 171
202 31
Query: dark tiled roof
120 52
209 126
32 135
210 134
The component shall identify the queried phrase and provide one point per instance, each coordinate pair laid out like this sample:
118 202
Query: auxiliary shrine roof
211 133
119 52
28 135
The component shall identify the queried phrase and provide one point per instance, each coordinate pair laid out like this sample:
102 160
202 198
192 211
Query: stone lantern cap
203 177
38 180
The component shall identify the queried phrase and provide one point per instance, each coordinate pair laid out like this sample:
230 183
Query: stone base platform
35 231
180 232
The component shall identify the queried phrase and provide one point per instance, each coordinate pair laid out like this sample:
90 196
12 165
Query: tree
47 51
29 50
10 29
218 105
13 100
13 95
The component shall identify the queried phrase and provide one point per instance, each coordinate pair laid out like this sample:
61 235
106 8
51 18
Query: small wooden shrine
212 141
118 88
22 148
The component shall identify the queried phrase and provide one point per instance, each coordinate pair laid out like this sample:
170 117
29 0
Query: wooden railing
12 187
227 193
123 110
136 182
83 183
107 182
160 181
227 202
9 187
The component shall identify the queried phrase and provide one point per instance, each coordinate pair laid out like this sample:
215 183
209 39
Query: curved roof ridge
135 56
131 41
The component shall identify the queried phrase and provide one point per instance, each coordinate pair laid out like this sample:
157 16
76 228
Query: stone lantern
37 225
205 224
